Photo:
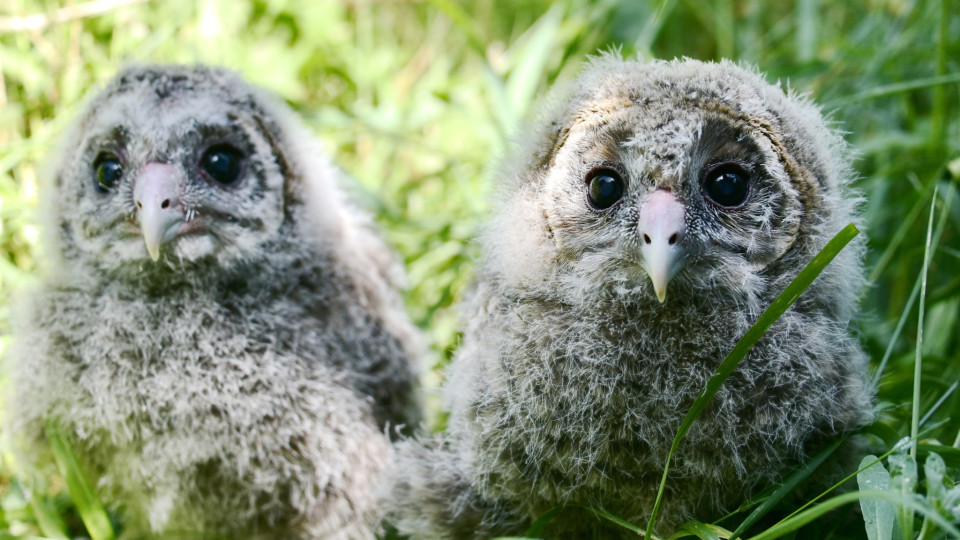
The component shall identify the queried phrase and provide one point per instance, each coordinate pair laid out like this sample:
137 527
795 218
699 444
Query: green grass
415 99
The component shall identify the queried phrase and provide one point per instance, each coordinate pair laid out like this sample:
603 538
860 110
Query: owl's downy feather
219 331
644 223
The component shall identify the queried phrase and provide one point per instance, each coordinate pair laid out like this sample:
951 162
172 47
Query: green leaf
88 506
903 480
949 454
934 471
749 339
703 531
878 515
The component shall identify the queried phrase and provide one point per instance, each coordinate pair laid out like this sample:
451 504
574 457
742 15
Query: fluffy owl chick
649 219
219 333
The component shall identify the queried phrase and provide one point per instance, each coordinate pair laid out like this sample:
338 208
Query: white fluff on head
244 383
573 378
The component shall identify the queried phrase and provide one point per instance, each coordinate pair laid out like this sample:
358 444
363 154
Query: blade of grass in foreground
541 523
703 531
536 530
88 506
906 521
788 486
814 512
749 339
918 358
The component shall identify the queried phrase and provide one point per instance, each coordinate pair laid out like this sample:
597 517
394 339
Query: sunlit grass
416 99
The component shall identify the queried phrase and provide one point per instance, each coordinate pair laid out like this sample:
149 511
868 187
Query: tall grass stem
918 358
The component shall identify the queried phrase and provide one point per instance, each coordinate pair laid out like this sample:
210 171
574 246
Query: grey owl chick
643 226
219 332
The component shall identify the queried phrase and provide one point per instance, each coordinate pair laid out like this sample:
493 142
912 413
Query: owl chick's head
668 182
169 166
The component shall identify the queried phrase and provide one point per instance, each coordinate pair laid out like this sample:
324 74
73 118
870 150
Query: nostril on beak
646 238
166 204
672 240
139 204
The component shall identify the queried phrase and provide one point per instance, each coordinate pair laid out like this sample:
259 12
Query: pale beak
661 229
159 210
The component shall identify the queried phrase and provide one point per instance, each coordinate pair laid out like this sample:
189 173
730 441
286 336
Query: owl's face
664 184
172 165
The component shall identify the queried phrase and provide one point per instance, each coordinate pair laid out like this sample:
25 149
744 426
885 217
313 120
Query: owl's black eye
604 188
727 185
107 171
223 163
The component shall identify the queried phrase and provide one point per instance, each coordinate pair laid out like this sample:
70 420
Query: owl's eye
223 163
604 188
727 185
107 171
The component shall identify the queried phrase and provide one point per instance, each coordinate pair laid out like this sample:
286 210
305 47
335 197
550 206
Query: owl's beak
157 196
661 229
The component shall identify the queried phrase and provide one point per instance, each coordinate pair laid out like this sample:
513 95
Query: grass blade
621 522
536 530
896 333
650 30
896 88
541 523
749 339
50 523
464 22
788 486
941 225
938 116
906 523
905 225
918 360
801 519
530 64
935 406
807 25
88 506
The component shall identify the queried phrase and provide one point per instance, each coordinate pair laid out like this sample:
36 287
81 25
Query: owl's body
653 215
243 381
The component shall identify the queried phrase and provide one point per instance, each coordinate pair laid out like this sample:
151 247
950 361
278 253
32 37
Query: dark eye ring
605 187
107 171
223 163
727 185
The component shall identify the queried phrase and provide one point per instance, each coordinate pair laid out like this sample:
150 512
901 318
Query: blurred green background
416 99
